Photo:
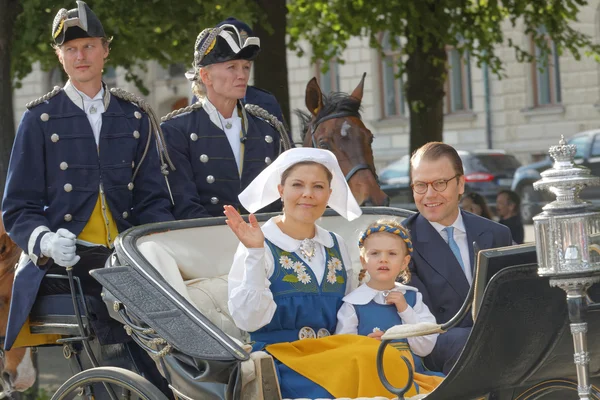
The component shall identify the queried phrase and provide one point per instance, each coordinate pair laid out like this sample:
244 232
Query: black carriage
520 346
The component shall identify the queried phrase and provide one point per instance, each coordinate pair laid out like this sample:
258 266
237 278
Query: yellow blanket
345 365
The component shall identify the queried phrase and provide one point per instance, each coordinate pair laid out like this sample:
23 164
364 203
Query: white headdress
262 191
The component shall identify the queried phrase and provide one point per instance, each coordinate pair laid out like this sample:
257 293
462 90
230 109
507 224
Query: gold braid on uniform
273 121
44 98
165 160
183 110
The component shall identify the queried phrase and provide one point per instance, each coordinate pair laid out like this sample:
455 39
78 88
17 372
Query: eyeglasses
439 186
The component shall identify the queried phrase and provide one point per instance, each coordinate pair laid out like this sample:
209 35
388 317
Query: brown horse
334 124
17 371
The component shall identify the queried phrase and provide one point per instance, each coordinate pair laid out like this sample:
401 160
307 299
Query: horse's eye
323 145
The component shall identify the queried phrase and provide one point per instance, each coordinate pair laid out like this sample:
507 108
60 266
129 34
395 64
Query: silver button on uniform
138 114
64 166
44 117
268 160
204 158
54 137
210 179
136 134
68 187
214 200
130 186
269 139
68 217
194 137
125 214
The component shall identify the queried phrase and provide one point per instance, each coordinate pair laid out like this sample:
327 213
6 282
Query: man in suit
443 236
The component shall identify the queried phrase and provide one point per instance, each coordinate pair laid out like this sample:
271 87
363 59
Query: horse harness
342 114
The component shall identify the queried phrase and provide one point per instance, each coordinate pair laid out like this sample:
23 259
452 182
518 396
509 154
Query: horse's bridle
314 125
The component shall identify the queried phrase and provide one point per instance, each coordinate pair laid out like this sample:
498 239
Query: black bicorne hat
80 22
227 45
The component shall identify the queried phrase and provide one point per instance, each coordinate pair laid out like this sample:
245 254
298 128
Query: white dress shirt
460 237
233 133
93 107
348 320
251 303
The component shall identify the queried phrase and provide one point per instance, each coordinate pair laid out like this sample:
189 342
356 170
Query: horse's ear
358 91
314 97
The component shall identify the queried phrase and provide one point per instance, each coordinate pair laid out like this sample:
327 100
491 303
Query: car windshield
397 169
581 142
494 163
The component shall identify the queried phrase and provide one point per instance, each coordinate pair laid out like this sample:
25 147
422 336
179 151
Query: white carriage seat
208 295
196 263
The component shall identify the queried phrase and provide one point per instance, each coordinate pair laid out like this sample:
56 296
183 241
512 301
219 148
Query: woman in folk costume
289 277
218 145
382 302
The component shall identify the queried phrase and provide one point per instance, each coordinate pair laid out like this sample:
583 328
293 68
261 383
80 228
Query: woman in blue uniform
219 146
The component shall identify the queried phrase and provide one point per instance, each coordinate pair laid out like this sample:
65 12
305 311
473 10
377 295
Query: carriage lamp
567 236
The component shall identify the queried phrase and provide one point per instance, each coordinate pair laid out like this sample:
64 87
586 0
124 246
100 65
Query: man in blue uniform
84 167
218 144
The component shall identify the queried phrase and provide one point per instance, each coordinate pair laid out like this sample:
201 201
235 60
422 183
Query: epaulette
165 160
44 98
183 110
132 98
261 113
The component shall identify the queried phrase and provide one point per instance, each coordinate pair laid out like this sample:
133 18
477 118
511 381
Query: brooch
307 249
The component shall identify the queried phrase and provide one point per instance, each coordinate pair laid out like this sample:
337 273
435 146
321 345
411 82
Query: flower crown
386 228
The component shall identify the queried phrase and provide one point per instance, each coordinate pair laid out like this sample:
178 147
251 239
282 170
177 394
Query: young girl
379 304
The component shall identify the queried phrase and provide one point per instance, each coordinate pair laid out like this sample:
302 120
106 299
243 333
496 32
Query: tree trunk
426 76
9 10
270 67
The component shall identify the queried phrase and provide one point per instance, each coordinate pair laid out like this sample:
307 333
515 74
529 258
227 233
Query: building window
328 81
459 97
392 85
545 73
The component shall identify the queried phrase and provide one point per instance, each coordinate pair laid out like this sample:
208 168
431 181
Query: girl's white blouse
348 320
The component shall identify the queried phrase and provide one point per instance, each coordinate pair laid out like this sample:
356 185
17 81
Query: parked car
486 172
532 201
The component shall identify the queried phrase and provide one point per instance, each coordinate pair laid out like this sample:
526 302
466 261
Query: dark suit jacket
436 272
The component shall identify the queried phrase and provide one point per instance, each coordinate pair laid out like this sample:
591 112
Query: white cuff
33 240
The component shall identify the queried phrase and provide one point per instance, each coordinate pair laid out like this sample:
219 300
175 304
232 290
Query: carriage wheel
121 380
542 389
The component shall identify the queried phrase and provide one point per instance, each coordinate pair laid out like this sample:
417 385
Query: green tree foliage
142 30
426 28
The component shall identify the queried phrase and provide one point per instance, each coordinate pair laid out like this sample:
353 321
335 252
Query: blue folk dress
305 309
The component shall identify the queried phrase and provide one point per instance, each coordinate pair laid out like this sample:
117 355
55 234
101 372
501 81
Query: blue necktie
454 246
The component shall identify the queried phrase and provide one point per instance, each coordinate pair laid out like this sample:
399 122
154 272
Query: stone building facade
526 111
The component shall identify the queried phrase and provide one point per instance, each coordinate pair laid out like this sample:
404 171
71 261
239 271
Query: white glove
60 246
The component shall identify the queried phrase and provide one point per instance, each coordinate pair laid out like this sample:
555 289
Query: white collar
458 224
216 117
287 243
78 97
364 294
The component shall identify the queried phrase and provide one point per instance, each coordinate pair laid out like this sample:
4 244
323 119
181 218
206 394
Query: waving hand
250 234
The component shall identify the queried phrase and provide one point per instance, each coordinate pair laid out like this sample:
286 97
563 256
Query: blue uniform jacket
54 178
206 175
